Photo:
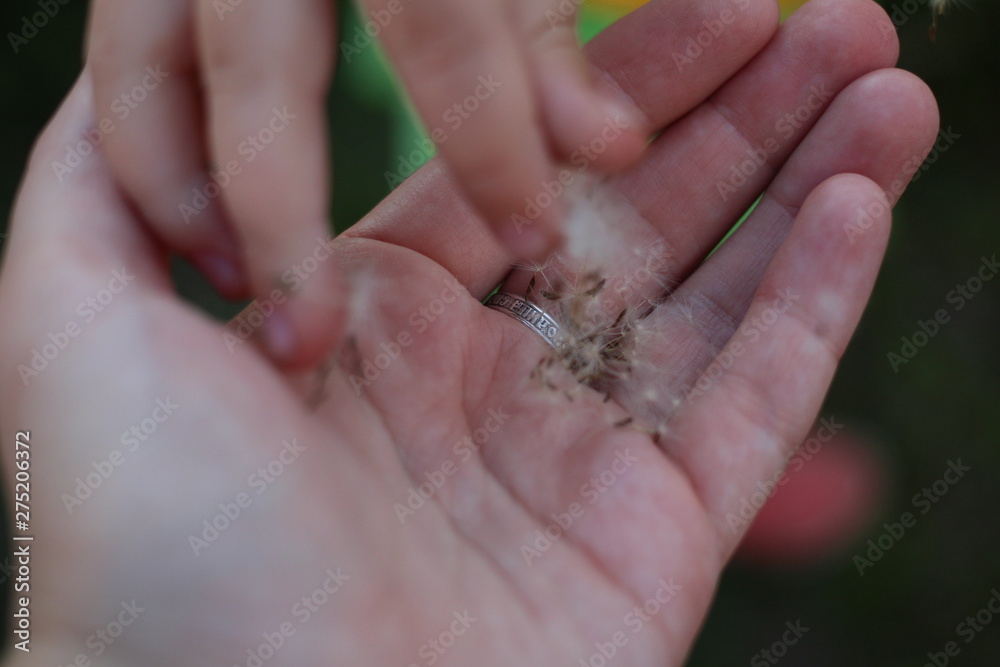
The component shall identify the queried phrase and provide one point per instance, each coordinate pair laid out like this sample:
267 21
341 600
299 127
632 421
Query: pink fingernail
222 271
619 113
279 336
527 242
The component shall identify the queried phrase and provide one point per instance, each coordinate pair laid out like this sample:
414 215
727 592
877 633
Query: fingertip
588 128
533 240
279 337
224 272
852 212
846 31
619 136
848 189
308 323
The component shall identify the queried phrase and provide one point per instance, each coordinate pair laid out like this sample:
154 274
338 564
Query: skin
660 520
229 65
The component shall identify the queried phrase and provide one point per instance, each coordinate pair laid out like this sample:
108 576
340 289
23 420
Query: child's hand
238 90
510 94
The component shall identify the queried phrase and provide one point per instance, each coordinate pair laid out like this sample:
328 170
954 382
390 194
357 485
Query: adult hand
193 504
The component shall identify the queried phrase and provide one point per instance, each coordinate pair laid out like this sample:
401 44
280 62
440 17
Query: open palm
426 499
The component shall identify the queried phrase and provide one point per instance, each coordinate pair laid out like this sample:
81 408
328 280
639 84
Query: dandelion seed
600 290
596 289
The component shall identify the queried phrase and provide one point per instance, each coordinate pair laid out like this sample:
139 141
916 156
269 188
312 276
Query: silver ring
528 314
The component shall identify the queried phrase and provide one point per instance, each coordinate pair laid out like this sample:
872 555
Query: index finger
633 60
265 68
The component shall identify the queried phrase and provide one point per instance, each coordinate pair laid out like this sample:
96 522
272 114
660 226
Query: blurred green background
941 405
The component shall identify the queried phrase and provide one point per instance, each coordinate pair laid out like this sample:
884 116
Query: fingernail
618 112
279 335
224 273
528 242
